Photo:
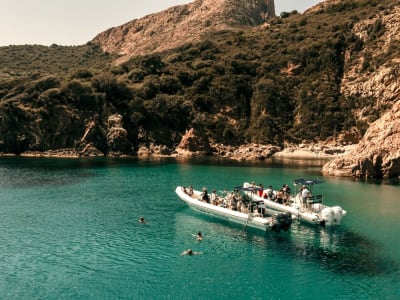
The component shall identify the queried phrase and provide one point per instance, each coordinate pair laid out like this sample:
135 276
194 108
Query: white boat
307 207
244 211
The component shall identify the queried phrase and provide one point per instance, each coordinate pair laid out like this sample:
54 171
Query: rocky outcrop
182 24
378 153
99 141
251 152
194 142
379 82
117 136
154 150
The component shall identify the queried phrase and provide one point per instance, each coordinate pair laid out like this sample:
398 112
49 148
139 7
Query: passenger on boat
260 190
285 189
269 193
204 196
261 208
214 197
234 203
190 191
286 193
279 196
305 193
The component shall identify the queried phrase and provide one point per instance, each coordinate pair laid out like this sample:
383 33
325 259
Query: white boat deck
250 219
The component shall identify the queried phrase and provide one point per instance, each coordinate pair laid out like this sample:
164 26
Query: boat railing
311 200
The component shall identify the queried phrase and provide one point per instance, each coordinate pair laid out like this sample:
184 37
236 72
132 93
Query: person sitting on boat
286 193
204 196
279 196
269 193
214 197
234 203
190 191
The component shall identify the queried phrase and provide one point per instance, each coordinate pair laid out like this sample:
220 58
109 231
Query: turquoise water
69 230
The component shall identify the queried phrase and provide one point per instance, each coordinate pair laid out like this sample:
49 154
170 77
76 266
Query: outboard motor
339 214
281 221
328 215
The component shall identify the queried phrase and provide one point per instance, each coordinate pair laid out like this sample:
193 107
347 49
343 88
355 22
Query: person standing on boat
260 190
305 193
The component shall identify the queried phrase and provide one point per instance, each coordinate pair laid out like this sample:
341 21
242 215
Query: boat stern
281 221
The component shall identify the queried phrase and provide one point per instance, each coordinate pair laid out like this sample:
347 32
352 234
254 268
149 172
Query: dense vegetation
270 84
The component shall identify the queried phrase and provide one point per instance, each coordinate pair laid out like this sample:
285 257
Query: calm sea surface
69 230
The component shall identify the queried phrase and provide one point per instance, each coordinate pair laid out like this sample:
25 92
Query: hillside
182 24
323 76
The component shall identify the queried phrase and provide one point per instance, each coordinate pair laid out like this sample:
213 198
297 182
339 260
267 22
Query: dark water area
69 230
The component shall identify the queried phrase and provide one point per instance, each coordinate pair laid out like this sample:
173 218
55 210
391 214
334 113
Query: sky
75 22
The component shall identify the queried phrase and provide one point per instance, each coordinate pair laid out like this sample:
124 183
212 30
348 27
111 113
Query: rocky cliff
333 71
182 24
378 153
373 74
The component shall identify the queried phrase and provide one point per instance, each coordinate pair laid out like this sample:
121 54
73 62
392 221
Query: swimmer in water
190 252
142 220
199 236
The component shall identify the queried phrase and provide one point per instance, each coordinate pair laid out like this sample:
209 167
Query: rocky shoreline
252 152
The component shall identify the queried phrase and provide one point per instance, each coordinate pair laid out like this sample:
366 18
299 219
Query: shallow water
69 230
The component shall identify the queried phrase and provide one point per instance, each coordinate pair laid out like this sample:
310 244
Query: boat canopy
248 188
306 181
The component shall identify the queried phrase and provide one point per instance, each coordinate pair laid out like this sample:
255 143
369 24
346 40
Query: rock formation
194 142
117 136
378 153
182 24
380 82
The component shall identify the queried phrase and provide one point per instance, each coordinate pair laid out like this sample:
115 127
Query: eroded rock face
182 24
378 153
194 142
110 140
380 82
117 136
